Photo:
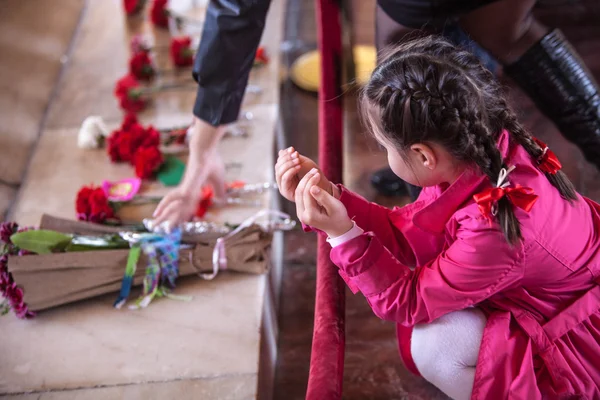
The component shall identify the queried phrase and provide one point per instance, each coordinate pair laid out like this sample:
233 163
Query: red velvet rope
327 356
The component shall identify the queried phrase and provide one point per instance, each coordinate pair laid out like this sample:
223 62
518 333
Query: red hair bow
547 162
522 197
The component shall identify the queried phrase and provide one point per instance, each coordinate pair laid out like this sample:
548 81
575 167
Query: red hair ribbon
522 197
547 162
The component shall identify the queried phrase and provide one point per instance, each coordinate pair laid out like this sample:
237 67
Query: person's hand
180 205
177 207
290 168
204 166
317 208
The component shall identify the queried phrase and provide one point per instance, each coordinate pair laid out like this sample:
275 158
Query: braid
559 180
487 157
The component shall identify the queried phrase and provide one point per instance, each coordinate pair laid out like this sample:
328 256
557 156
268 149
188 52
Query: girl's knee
453 338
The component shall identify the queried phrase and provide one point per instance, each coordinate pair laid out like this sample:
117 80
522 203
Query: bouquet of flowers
65 261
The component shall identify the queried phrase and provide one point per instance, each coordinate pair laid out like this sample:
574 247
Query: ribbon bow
547 162
522 197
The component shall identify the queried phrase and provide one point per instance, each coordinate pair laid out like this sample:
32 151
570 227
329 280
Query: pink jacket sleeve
374 218
477 264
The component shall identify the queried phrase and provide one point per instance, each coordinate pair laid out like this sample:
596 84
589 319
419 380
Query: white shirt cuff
354 232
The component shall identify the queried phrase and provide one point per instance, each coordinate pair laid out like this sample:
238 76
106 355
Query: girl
503 300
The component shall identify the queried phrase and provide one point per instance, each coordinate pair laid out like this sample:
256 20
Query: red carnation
120 146
132 104
147 161
206 199
181 52
140 66
125 84
125 147
133 6
130 94
92 205
261 57
113 142
159 13
128 121
151 137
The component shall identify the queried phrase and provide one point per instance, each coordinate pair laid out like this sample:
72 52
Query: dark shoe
388 184
553 75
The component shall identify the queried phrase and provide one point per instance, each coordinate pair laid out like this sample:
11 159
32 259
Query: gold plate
306 73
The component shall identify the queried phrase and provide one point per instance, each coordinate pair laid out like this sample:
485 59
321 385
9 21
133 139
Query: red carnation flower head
147 162
113 143
128 121
92 205
120 146
181 51
140 66
206 200
133 6
261 57
130 94
159 13
151 137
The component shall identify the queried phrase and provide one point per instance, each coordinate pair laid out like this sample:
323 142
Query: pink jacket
541 297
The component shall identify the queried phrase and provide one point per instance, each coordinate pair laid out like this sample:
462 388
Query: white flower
92 133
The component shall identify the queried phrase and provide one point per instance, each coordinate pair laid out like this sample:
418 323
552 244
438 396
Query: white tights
445 351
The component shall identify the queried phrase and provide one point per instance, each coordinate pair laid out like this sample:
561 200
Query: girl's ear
424 155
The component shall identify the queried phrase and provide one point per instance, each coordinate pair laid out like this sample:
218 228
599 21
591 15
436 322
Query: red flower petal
147 161
159 14
205 201
133 6
128 121
140 66
182 54
92 205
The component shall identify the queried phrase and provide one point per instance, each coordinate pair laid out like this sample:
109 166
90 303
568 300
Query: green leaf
41 241
171 172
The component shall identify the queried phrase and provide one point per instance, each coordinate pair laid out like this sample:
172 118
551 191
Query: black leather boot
554 76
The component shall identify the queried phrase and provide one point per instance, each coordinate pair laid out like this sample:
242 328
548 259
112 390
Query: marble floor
372 367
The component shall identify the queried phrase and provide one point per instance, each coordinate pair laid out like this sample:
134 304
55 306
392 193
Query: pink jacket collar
434 216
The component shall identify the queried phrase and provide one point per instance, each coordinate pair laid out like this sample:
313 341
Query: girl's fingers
309 200
289 150
287 179
283 167
288 169
298 195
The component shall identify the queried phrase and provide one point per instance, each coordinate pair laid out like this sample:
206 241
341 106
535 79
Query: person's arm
230 38
392 227
231 35
477 265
